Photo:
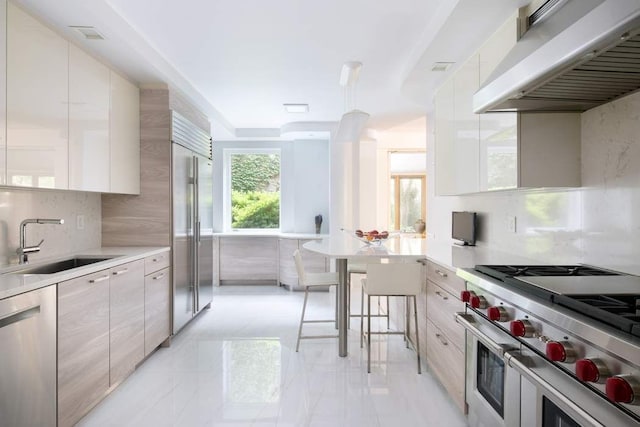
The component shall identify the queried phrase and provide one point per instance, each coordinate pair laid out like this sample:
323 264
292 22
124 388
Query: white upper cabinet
499 151
88 122
72 123
498 131
37 103
465 166
444 149
124 136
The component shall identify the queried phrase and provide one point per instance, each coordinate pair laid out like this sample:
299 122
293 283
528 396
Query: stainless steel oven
532 362
492 386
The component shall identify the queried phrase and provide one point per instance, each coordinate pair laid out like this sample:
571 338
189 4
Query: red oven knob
477 301
591 370
521 328
465 296
498 314
623 389
559 352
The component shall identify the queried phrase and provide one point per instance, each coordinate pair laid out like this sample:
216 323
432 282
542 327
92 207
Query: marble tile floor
236 366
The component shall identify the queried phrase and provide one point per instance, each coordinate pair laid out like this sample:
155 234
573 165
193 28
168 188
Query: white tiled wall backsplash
16 205
598 223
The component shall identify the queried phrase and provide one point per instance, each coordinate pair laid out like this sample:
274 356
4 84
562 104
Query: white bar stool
398 280
355 268
311 280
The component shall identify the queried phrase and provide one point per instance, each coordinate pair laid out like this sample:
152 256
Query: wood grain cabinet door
83 345
157 309
126 336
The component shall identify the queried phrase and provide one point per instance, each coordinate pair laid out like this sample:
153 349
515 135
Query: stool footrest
306 337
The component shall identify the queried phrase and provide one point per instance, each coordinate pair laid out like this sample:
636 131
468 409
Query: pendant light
353 121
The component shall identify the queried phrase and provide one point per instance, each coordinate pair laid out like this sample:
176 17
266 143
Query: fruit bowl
372 237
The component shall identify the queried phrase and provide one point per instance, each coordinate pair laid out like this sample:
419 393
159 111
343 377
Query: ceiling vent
441 66
89 33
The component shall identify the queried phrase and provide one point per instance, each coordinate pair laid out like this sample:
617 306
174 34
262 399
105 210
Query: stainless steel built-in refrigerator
192 171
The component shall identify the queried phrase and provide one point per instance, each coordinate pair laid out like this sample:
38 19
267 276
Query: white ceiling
240 60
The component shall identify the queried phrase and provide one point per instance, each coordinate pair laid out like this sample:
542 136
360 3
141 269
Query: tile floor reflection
236 366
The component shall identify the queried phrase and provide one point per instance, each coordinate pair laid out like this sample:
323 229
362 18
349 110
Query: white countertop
346 246
14 284
343 245
267 233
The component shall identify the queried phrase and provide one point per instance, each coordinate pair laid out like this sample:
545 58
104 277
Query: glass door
490 378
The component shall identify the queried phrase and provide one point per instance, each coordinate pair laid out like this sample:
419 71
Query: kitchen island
346 248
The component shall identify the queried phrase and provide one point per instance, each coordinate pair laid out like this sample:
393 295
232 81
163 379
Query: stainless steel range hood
585 54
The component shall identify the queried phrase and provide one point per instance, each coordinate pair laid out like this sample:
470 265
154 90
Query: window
253 189
407 190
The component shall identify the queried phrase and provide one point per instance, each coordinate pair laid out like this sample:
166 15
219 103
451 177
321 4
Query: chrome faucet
24 251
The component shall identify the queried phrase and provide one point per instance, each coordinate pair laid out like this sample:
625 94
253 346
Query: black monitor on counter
463 228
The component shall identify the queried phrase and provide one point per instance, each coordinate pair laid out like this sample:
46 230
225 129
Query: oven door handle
467 322
512 360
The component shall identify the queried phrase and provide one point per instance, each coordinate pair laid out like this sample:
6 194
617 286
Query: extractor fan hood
586 53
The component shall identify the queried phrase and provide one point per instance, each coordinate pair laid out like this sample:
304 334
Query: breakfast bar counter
343 247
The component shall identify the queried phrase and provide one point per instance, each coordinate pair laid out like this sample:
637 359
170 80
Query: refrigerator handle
196 237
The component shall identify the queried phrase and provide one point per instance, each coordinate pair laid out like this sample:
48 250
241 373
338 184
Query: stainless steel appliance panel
183 237
484 342
204 168
541 380
28 359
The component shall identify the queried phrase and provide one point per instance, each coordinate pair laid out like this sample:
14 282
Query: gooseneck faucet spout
24 251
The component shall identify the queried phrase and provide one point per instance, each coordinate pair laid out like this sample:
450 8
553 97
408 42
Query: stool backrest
297 257
394 279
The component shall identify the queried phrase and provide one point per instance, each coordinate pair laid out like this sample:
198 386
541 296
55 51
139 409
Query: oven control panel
611 376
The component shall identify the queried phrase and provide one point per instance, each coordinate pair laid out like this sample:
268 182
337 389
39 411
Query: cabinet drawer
447 363
445 278
156 262
441 309
157 309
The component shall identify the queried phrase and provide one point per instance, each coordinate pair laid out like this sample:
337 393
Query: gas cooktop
608 297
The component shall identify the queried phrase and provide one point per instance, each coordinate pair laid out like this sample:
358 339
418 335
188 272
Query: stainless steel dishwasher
28 359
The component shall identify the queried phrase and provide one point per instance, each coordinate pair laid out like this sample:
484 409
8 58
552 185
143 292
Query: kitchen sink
58 266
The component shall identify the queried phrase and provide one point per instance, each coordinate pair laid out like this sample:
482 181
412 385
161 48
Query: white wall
304 181
373 183
595 224
16 205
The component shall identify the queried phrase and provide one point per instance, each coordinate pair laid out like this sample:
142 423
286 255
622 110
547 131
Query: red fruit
384 234
359 233
374 232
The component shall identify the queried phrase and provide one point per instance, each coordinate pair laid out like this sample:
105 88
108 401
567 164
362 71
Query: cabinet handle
99 279
158 277
119 272
441 273
442 296
18 316
441 339
158 259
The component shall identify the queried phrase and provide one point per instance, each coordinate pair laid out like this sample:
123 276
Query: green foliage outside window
255 191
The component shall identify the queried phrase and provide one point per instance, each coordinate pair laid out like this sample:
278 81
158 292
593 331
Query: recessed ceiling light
441 66
89 33
296 108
